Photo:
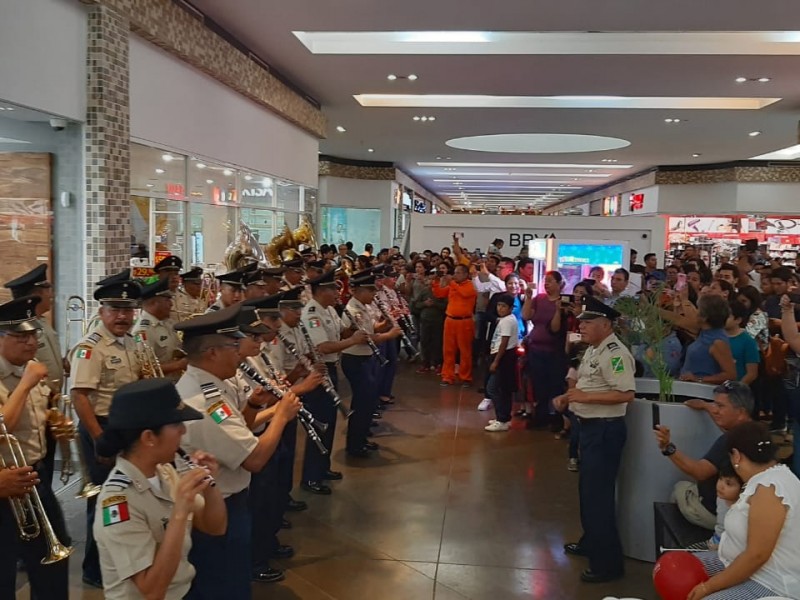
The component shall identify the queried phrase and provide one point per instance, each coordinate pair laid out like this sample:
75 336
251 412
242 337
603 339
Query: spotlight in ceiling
167 157
391 77
424 118
200 166
149 185
764 80
609 160
412 77
340 129
209 181
754 133
227 172
741 79
696 155
370 149
248 177
674 121
160 171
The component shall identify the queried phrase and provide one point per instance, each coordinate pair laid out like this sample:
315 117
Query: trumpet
62 426
28 511
151 367
328 383
357 324
307 420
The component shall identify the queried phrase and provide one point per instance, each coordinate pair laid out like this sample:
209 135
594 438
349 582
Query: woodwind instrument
327 383
375 350
408 345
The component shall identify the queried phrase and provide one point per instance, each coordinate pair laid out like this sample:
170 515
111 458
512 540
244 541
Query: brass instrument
209 288
281 243
244 249
28 511
151 367
304 234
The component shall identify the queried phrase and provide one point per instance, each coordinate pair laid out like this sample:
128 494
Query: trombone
28 510
60 419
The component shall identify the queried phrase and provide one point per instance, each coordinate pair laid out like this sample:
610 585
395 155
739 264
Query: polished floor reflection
447 511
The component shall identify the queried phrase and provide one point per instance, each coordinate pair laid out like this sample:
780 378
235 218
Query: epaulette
612 346
119 479
210 391
145 323
92 339
312 309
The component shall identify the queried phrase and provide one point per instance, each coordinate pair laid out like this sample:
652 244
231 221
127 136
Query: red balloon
676 574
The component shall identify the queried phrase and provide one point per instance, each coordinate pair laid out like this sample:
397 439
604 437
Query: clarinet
251 372
327 383
375 351
193 465
405 319
306 418
408 346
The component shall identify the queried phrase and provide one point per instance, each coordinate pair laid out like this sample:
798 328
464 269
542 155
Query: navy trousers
360 372
601 444
98 474
386 374
320 404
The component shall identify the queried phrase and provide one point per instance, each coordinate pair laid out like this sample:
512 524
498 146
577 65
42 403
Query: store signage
611 206
257 192
176 191
516 239
637 202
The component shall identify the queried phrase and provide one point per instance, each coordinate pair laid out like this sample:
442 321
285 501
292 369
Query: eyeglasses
24 337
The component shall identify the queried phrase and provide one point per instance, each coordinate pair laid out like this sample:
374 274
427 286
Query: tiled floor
447 511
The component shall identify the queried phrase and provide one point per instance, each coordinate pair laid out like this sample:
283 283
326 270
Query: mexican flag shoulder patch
315 322
115 510
83 353
617 364
219 411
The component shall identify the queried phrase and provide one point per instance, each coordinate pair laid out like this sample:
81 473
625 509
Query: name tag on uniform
115 360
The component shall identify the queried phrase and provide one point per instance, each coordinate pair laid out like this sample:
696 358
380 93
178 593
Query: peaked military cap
123 275
193 274
168 263
224 321
253 278
25 284
250 322
233 278
295 263
158 288
267 305
291 298
19 315
363 281
595 309
147 404
326 279
123 294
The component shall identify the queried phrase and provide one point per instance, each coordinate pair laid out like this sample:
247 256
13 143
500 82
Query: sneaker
445 383
496 426
573 465
422 370
485 404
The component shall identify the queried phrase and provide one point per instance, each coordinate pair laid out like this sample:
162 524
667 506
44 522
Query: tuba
304 234
278 245
244 249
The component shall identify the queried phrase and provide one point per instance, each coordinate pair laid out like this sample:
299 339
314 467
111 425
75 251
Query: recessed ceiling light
696 154
416 118
9 108
412 77
200 166
160 171
340 129
209 181
391 77
754 133
149 185
2 108
370 149
437 158
248 177
227 172
672 121
741 79
764 80
167 157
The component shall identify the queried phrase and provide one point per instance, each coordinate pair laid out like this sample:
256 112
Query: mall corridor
447 511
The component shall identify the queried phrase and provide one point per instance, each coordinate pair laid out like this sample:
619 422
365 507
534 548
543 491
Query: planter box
645 475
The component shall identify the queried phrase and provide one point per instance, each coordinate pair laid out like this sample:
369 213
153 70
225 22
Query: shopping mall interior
572 133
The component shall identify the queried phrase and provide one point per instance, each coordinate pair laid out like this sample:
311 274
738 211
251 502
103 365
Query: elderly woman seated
759 553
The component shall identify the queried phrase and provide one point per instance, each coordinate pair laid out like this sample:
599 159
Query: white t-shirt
506 326
781 573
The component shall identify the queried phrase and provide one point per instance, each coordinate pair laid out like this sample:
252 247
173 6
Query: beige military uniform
222 431
32 423
104 363
216 306
606 368
185 306
129 525
49 354
323 325
160 336
365 320
281 357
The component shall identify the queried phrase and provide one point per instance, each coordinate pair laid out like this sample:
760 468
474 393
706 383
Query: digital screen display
420 207
575 261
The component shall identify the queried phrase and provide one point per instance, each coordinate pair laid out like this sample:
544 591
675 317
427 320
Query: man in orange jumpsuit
459 327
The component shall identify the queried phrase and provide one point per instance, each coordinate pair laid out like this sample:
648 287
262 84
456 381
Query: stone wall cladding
755 174
175 30
334 169
107 146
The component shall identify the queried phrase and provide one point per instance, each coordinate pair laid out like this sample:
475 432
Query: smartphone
574 337
681 283
656 415
567 299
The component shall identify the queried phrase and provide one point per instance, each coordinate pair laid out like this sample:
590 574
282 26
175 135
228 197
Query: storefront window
213 227
257 190
210 182
157 173
358 225
261 222
288 196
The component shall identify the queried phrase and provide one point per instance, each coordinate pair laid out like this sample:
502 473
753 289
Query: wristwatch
256 406
669 449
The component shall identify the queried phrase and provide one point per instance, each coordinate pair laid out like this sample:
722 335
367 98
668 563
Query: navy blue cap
295 263
158 288
224 321
193 274
233 278
147 404
253 278
317 264
249 267
250 321
123 275
326 279
291 298
268 305
363 281
595 309
19 315
306 251
25 284
168 263
122 294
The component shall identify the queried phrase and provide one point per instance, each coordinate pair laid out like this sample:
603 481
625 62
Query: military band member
94 321
330 337
359 365
24 398
169 268
187 301
211 342
254 285
157 330
386 298
102 362
231 290
599 400
315 268
294 272
273 279
148 506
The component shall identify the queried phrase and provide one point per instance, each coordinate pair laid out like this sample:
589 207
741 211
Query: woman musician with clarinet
148 508
328 336
359 363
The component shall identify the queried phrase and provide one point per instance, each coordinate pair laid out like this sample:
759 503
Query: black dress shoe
359 453
286 524
316 487
92 582
283 551
268 575
589 576
377 415
371 446
575 549
333 476
296 505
